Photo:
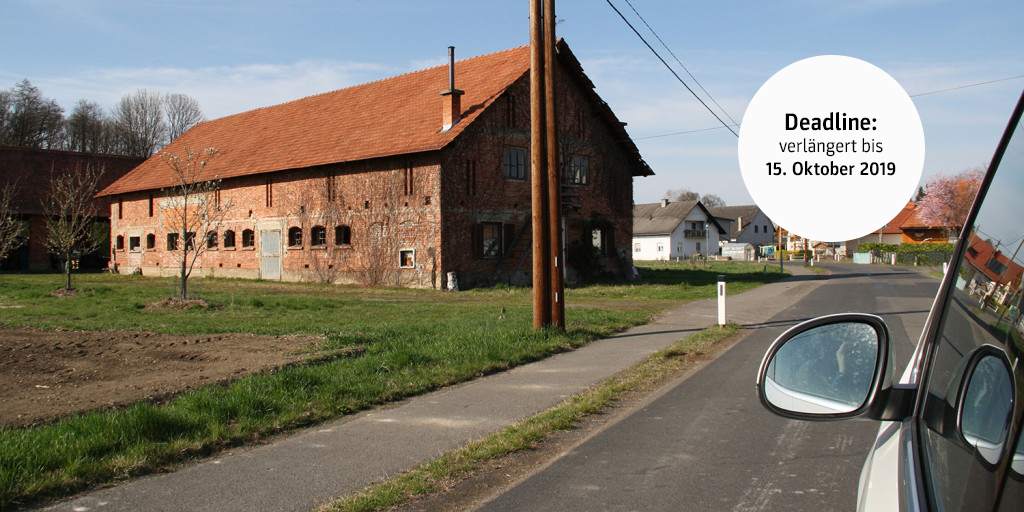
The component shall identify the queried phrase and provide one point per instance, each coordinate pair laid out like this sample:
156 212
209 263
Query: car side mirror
828 368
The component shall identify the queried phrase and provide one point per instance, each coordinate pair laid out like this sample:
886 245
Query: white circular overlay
831 148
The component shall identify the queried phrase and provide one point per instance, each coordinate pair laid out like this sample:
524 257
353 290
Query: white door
270 255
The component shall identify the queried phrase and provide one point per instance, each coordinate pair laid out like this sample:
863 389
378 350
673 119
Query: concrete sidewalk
303 470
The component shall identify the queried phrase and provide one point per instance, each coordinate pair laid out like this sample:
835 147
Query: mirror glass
985 413
824 370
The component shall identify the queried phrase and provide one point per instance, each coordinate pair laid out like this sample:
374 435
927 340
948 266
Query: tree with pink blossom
948 199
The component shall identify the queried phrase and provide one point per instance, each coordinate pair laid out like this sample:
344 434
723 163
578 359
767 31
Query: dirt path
47 374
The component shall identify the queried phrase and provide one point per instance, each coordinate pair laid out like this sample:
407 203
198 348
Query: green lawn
415 341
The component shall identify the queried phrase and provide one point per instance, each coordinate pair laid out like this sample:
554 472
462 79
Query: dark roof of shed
32 171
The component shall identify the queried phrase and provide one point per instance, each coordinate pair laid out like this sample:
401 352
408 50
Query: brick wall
476 191
396 198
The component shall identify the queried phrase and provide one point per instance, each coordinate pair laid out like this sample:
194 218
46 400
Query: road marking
762 488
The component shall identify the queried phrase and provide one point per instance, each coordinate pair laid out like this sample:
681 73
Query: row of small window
515 164
318 237
173 239
493 240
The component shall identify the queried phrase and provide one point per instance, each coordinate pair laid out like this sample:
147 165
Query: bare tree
140 123
327 223
12 231
29 120
70 215
948 199
682 194
685 194
712 200
182 113
385 224
89 129
194 209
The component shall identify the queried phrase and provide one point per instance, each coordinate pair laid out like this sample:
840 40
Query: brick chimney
451 97
664 203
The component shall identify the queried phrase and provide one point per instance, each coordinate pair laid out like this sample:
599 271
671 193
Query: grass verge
409 342
427 478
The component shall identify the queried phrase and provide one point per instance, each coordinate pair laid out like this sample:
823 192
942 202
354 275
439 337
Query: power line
968 85
655 52
912 96
682 133
670 52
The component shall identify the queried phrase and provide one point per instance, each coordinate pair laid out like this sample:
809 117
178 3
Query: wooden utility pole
554 180
542 292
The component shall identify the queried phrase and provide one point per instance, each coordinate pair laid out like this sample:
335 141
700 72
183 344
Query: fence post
721 299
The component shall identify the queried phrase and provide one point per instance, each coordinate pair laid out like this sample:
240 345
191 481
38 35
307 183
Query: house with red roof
890 233
408 176
31 171
917 228
991 274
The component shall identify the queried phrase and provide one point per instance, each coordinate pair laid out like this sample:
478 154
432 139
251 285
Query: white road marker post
721 299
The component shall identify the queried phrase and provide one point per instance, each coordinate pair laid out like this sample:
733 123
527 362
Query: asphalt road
705 443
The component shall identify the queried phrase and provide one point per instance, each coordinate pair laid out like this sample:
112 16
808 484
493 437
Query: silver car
950 434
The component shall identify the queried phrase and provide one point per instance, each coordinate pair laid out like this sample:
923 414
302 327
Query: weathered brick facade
411 218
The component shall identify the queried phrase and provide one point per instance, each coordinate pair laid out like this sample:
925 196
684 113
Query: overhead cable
670 52
655 52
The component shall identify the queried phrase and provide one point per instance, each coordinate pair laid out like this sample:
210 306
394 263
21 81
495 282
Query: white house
749 224
665 231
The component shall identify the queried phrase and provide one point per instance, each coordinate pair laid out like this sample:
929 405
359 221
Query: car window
971 415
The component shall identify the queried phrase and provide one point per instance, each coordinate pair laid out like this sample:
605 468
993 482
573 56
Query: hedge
906 248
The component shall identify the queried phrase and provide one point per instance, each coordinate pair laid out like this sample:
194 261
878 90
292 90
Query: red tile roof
393 116
893 226
981 253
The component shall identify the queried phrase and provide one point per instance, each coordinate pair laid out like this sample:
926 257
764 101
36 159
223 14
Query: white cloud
221 90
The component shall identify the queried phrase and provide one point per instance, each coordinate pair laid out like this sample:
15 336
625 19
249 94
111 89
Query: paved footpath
300 471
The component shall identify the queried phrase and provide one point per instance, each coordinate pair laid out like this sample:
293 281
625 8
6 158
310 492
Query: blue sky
239 55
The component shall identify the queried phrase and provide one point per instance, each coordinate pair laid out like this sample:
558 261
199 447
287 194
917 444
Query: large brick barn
398 181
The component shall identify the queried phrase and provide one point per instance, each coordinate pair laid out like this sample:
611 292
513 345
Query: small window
134 243
578 172
491 239
248 238
295 237
211 239
229 239
190 240
407 258
636 247
342 235
151 241
514 163
755 228
318 236
603 240
172 241
120 243
151 205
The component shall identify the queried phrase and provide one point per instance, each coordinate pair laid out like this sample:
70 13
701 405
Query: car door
970 406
